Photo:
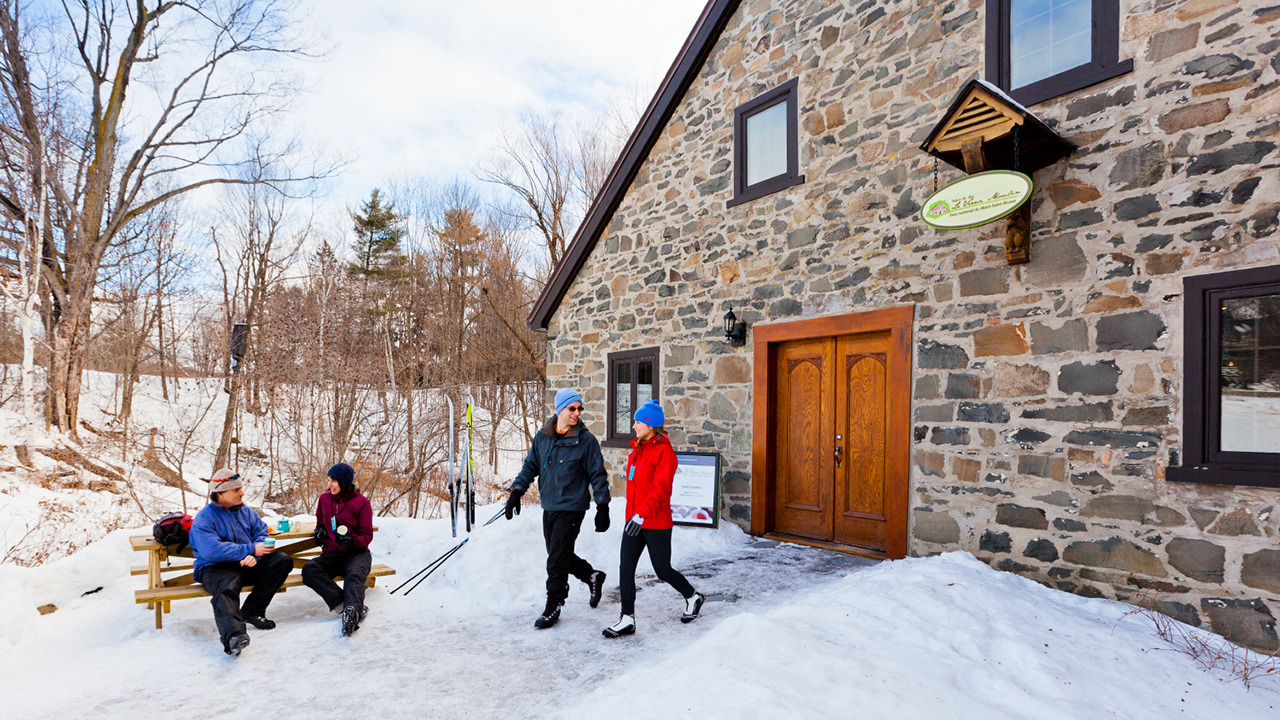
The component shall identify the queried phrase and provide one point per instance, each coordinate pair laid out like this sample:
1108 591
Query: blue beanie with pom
651 414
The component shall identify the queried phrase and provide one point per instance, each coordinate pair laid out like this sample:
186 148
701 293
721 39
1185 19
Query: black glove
513 503
634 526
321 535
344 537
602 517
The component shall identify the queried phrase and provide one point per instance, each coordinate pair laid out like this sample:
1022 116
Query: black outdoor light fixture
734 331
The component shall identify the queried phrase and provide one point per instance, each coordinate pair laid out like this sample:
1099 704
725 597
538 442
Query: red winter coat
651 467
356 513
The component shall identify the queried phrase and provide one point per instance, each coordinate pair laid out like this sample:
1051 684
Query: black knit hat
343 473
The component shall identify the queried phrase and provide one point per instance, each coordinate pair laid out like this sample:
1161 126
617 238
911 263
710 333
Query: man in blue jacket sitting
227 537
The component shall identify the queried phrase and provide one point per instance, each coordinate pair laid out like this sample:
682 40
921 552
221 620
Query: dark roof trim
678 79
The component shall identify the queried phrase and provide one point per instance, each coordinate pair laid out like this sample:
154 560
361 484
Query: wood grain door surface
831 423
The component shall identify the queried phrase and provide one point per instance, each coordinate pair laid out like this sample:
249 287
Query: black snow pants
560 530
223 582
659 544
319 572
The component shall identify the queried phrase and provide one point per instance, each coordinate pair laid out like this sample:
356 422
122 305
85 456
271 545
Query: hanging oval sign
976 200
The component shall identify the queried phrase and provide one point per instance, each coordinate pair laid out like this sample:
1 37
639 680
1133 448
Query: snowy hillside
788 632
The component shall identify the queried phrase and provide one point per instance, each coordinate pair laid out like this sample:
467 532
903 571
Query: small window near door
1040 49
1232 381
633 380
765 138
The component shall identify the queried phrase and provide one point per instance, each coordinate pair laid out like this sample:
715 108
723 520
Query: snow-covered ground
789 632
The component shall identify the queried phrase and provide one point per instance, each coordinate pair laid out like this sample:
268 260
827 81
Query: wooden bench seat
188 590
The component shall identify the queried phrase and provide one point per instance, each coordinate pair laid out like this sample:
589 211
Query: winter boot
550 616
350 620
597 587
364 612
626 625
260 622
692 606
236 643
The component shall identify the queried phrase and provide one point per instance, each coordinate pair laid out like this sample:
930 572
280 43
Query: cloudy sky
423 87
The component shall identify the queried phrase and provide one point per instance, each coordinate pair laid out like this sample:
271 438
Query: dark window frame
787 92
1104 65
1202 461
621 437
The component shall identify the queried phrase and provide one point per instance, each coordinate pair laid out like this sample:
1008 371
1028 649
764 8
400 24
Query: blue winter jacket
569 468
222 535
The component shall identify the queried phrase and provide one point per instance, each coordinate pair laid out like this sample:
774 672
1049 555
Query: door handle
839 452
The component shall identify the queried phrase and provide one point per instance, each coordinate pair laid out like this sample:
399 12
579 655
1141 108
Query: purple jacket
356 513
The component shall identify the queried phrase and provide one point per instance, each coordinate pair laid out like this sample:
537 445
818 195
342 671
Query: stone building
1081 418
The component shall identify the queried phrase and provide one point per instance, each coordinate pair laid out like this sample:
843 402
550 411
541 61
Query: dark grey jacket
568 468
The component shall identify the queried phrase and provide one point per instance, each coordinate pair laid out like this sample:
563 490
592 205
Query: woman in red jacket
344 528
650 470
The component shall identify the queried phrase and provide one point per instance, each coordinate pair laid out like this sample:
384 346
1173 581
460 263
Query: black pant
319 572
224 580
659 544
560 530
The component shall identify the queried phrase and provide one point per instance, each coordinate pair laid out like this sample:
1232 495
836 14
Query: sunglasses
574 408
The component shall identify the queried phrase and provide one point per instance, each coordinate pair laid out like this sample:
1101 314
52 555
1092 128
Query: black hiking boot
597 587
692 606
364 612
626 625
550 616
350 620
260 622
236 643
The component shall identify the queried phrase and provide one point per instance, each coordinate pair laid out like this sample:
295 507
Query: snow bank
925 638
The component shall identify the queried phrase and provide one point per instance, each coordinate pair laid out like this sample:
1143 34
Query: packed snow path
788 631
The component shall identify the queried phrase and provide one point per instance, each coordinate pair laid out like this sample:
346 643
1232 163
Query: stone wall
1047 396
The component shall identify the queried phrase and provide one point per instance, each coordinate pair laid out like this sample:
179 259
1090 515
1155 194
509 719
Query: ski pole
437 564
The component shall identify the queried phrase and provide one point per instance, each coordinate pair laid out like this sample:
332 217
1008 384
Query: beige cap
223 480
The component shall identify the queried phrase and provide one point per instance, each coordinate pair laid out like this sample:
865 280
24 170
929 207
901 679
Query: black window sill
765 187
1068 82
616 443
1253 477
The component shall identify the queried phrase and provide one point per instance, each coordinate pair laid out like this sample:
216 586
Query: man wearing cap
227 538
566 460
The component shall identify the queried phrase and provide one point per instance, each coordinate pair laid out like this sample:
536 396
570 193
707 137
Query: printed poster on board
695 491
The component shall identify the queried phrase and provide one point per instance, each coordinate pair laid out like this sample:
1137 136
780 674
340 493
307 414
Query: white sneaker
626 625
692 606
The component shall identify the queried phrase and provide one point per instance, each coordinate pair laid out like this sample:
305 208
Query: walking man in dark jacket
227 538
566 460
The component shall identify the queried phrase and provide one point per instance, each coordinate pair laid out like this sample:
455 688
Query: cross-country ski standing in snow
344 529
565 459
651 467
228 539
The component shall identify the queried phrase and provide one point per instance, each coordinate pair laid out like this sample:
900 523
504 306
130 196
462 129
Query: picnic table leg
153 578
159 615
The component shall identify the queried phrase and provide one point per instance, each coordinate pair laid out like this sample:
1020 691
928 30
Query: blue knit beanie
343 473
651 414
564 396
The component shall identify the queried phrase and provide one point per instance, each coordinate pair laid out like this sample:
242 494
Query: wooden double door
838 444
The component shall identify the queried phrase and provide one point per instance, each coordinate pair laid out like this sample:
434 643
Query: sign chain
935 174
1015 147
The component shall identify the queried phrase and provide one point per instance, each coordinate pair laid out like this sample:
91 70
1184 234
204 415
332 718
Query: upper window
633 379
1232 382
765 155
1040 49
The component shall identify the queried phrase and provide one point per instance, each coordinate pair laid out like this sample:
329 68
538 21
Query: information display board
695 491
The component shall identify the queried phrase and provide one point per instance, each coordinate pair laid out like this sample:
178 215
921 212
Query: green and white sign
976 200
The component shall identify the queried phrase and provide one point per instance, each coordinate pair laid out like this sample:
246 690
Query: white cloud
424 87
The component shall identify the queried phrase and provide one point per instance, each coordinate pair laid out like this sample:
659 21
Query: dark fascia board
678 79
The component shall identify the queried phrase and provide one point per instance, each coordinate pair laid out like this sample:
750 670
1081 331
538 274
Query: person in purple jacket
344 528
227 539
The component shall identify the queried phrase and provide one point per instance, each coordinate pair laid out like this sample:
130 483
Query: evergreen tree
379 230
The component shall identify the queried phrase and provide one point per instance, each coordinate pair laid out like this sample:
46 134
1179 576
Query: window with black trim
766 158
1232 383
1040 49
633 379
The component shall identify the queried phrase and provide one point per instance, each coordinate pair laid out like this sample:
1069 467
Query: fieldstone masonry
1048 396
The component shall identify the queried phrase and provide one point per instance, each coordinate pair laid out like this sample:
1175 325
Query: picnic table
169 573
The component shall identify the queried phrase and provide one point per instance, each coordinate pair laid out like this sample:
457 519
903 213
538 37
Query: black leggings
659 544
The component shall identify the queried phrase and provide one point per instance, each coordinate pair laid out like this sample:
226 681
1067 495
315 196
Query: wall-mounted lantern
734 331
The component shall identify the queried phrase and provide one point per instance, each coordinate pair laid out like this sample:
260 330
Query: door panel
861 416
803 498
